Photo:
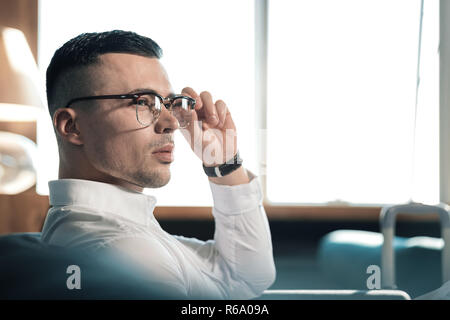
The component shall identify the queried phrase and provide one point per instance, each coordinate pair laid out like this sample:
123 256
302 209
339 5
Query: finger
199 113
191 132
209 109
222 110
188 91
194 120
196 115
229 123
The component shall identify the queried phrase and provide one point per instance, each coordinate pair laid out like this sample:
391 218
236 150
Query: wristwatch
224 169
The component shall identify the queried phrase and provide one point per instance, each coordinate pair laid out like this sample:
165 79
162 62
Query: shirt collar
102 197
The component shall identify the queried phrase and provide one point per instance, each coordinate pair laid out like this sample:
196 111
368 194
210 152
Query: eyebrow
139 90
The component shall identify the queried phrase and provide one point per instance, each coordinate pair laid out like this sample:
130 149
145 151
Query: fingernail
213 118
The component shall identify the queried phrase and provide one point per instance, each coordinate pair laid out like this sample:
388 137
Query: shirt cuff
234 200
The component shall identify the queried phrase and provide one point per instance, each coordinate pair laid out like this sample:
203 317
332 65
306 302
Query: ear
65 121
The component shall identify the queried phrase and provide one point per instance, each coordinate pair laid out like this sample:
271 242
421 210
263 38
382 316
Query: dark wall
291 234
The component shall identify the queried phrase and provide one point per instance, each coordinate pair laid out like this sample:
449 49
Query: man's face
114 142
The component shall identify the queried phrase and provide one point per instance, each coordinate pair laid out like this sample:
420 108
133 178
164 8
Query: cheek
123 152
115 142
112 153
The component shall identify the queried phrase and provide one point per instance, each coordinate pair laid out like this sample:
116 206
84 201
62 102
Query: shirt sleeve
241 254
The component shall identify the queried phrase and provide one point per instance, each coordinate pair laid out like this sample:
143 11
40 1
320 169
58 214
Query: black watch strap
224 169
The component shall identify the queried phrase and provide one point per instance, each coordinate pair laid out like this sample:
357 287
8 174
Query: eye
142 101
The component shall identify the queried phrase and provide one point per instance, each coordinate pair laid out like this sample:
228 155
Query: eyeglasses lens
149 108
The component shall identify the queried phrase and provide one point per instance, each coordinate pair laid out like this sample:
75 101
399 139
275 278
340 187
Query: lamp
21 100
20 93
17 163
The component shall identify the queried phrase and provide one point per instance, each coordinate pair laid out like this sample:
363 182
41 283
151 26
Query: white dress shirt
237 264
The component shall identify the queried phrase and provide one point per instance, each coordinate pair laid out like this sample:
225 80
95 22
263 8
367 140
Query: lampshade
21 96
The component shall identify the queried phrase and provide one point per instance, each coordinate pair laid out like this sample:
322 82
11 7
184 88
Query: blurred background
324 95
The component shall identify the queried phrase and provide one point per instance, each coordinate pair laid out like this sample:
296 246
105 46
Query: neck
94 175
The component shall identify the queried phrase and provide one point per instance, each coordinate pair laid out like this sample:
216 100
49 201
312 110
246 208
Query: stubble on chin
153 178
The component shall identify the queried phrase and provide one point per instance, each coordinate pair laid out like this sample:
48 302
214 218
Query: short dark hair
85 49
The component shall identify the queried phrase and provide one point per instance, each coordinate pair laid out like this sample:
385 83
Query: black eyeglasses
149 105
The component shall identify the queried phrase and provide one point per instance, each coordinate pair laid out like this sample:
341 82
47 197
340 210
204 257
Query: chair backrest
21 238
31 269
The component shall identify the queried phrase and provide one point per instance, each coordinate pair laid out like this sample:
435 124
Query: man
114 114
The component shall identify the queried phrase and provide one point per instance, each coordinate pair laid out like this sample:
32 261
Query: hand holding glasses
149 105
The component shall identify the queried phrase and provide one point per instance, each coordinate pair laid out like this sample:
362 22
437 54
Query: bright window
341 99
207 45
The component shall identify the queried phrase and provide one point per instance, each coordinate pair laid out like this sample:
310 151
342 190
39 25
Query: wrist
225 168
237 177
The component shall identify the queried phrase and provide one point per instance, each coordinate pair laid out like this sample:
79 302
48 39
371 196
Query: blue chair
30 269
416 265
344 256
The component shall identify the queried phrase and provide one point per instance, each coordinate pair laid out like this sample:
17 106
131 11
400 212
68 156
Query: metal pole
444 101
261 39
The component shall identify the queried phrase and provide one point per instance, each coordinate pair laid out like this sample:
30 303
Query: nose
166 122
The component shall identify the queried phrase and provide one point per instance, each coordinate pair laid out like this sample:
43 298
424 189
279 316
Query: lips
166 148
165 153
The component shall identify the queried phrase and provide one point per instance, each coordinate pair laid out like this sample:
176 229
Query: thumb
193 133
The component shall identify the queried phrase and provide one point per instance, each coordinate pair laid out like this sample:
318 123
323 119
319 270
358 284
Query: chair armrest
387 224
334 295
